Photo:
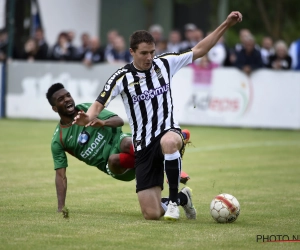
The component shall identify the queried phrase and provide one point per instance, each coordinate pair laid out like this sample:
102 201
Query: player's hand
234 17
96 123
64 211
81 119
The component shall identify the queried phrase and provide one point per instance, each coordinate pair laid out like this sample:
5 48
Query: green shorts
116 147
128 175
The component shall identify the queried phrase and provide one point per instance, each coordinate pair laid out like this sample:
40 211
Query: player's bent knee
113 160
114 164
150 214
126 144
150 203
170 144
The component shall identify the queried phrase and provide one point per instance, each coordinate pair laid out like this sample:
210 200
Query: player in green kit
103 145
92 146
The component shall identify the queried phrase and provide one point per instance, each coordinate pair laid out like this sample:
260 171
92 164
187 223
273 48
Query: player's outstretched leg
184 177
186 139
186 135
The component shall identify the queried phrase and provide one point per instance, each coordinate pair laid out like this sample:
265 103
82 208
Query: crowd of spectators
247 55
89 52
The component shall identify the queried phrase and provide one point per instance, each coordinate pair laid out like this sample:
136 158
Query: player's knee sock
172 169
165 201
126 160
182 199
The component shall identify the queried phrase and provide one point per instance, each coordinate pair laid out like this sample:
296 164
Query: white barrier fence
267 99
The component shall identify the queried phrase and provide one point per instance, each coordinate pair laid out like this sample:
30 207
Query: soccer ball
225 208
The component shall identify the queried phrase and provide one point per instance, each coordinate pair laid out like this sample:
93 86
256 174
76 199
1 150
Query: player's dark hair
140 36
55 87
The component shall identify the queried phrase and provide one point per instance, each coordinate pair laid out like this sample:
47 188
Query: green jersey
89 144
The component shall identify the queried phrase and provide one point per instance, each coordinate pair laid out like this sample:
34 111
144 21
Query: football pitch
261 168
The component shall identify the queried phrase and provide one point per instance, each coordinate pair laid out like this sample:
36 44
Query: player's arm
61 187
113 122
60 165
209 41
111 89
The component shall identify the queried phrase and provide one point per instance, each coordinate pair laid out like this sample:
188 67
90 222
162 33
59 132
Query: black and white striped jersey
147 95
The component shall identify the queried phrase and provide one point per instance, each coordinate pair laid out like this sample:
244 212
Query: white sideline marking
243 145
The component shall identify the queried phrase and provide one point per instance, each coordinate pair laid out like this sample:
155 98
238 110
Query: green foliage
280 20
231 38
259 167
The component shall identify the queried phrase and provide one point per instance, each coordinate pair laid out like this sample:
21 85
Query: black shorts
149 165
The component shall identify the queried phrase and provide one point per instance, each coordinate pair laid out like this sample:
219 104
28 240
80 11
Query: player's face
64 103
143 55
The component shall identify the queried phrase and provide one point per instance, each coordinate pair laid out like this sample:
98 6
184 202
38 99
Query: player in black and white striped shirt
146 94
145 86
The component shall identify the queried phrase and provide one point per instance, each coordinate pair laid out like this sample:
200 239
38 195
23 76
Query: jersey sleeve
178 60
59 155
106 114
112 88
83 106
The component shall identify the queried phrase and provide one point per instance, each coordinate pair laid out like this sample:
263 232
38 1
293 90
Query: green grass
261 168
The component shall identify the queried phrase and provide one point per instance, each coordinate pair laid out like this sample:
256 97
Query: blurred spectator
281 59
95 54
119 52
203 71
266 49
161 47
83 48
62 50
248 58
294 52
243 34
111 35
43 48
157 32
218 53
30 50
3 45
230 56
198 35
174 43
191 36
71 36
